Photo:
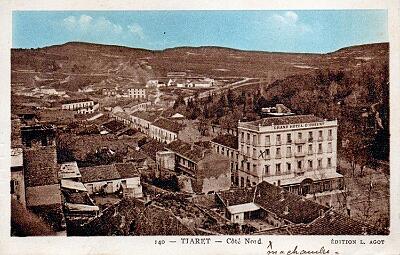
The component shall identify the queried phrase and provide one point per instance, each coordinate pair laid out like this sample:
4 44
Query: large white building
137 92
295 152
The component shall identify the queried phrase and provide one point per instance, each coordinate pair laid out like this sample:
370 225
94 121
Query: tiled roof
78 100
43 195
99 173
333 223
152 147
149 116
228 140
294 119
190 151
277 200
114 126
168 125
126 170
108 172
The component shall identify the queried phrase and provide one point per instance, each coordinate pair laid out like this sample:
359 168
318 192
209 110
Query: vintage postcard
200 128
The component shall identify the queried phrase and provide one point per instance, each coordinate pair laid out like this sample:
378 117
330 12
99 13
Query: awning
247 207
68 184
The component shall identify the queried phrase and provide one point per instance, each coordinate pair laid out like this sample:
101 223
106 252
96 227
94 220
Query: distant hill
141 64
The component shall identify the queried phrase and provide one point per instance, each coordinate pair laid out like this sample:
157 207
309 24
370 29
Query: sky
278 31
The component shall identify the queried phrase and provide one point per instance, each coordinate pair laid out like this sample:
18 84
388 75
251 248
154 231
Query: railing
299 154
300 141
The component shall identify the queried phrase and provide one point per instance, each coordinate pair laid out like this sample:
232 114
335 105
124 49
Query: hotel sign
300 125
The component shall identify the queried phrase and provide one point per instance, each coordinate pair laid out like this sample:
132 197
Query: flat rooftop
285 120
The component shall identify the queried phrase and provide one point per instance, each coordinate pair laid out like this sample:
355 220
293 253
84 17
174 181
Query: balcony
289 154
278 142
300 141
310 153
289 141
278 156
320 139
268 143
320 151
330 138
310 139
299 154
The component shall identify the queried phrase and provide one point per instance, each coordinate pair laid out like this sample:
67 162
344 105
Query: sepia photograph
154 123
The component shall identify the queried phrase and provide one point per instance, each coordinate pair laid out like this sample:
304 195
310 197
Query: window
254 168
242 137
267 140
299 164
310 136
222 150
319 163
299 135
310 148
330 132
310 164
278 168
320 134
254 139
278 152
254 153
248 138
267 152
248 151
320 148
266 170
329 162
288 167
278 139
289 151
299 148
330 147
248 166
289 138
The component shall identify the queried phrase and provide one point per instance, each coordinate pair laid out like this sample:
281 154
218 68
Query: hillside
78 61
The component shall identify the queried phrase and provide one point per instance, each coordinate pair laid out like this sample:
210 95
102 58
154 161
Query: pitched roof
168 125
99 173
152 147
108 172
127 170
114 126
43 195
149 115
227 140
77 100
190 151
285 205
294 119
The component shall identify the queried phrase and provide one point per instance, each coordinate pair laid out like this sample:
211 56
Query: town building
110 179
142 120
165 130
296 152
80 106
137 91
199 170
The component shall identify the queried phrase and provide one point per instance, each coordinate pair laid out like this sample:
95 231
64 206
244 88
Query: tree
179 101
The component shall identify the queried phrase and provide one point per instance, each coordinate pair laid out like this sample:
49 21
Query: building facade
298 153
137 92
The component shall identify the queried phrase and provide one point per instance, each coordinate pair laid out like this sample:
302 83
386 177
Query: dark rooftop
284 120
76 100
190 151
149 116
168 125
108 172
276 200
114 126
227 140
152 147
